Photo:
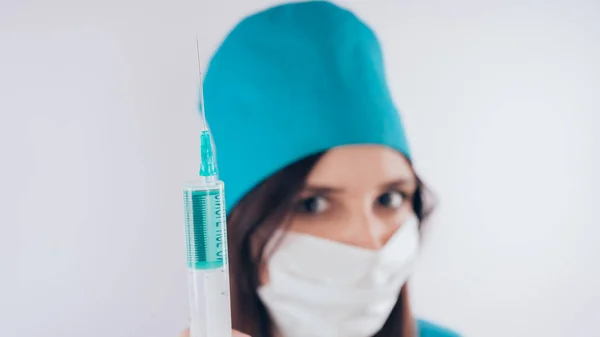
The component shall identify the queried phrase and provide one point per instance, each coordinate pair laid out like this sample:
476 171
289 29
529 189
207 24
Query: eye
391 199
313 205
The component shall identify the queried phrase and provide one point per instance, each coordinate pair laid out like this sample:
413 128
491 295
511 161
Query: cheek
393 215
263 274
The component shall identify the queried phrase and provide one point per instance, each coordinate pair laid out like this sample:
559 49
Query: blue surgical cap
292 81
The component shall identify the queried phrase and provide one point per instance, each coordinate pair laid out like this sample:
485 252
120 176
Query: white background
98 132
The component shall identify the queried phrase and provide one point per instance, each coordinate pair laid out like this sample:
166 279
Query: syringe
206 240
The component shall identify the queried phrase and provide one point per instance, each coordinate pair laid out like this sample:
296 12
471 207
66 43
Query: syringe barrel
207 261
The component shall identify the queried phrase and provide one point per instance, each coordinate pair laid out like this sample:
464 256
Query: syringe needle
201 93
198 56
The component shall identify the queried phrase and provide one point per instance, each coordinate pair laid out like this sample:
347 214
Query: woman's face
357 195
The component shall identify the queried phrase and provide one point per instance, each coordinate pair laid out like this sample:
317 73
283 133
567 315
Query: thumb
234 333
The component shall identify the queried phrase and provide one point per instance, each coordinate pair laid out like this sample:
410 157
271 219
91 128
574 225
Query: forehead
363 165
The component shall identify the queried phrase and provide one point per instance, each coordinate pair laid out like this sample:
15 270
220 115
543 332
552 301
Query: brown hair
251 224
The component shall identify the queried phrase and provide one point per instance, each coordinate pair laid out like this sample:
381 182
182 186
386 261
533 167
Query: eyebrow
319 189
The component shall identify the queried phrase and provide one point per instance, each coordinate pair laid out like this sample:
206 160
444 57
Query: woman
324 206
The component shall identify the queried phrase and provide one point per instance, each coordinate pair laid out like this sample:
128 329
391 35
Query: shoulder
427 329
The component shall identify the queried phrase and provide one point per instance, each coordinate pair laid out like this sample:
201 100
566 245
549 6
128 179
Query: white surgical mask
319 287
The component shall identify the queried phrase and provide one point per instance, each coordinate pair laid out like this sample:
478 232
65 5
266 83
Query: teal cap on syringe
208 164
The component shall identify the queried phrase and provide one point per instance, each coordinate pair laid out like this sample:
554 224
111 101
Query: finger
235 333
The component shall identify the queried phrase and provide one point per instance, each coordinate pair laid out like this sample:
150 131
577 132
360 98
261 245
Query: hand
234 333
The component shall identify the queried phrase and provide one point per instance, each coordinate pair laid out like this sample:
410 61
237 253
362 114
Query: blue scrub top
427 329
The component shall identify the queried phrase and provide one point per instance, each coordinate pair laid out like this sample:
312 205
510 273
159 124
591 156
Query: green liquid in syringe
205 227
